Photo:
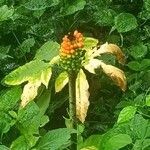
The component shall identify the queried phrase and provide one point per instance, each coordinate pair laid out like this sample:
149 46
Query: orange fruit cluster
71 52
71 43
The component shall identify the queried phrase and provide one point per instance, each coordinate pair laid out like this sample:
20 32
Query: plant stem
72 106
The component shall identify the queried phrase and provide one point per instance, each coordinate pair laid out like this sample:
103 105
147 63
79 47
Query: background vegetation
116 119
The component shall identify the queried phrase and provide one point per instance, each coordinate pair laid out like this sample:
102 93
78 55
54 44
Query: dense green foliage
30 31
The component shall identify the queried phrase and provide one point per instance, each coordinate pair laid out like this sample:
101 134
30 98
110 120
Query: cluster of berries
71 52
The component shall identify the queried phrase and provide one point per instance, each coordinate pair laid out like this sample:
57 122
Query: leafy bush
31 31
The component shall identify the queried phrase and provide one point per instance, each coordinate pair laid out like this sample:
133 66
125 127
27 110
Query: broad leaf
47 51
27 44
3 147
125 22
113 49
90 148
116 75
30 118
138 51
90 43
92 65
118 141
104 17
5 13
30 71
61 81
93 140
82 96
29 92
55 139
126 114
74 7
140 127
139 66
9 98
43 101
40 5
141 144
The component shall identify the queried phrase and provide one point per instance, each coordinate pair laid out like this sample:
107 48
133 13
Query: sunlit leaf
93 141
113 49
148 100
61 81
126 114
29 92
55 139
9 98
5 13
116 75
89 43
118 141
45 76
47 51
92 65
3 147
82 96
55 60
90 148
29 71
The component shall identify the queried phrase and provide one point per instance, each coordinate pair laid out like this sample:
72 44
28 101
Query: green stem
72 106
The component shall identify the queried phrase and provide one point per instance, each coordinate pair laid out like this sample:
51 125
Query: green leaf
147 100
22 143
61 81
30 119
125 22
138 51
93 140
139 66
5 122
40 5
140 127
126 114
27 72
118 141
4 51
43 101
9 98
74 7
141 144
147 4
27 44
55 139
3 147
48 51
104 17
5 13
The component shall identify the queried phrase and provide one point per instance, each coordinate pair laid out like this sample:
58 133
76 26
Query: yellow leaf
113 49
61 81
45 76
116 75
82 96
90 148
29 92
